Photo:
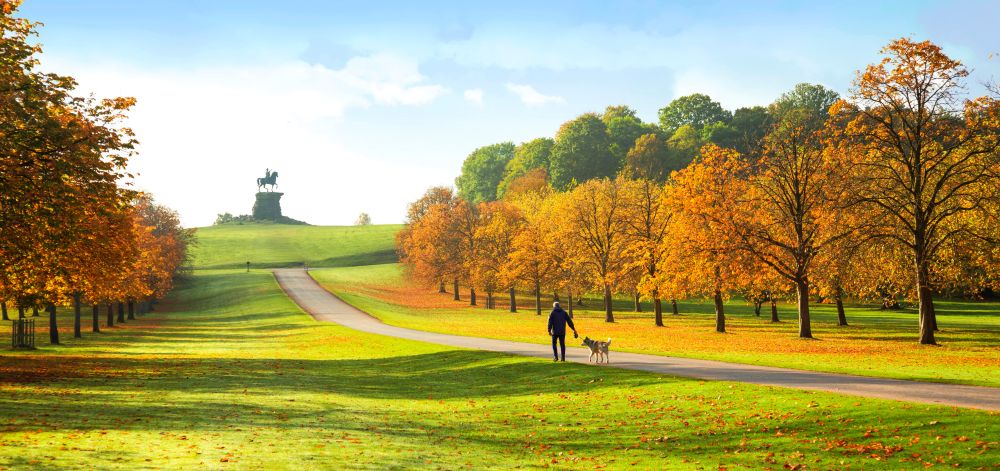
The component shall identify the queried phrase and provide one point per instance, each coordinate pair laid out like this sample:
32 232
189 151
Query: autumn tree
597 223
700 256
789 207
499 225
927 158
529 157
647 219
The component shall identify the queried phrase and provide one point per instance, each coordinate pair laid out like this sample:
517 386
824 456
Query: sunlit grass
877 343
229 373
276 245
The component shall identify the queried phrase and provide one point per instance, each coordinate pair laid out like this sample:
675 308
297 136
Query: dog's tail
609 340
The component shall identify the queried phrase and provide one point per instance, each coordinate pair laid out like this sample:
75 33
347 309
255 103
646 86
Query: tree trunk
472 296
720 313
53 326
76 316
97 318
569 297
20 311
111 315
774 311
756 308
513 300
538 298
673 307
841 317
121 312
638 305
454 285
927 321
489 300
802 290
608 315
441 287
34 311
3 307
131 310
658 312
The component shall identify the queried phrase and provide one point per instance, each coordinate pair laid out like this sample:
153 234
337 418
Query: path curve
324 306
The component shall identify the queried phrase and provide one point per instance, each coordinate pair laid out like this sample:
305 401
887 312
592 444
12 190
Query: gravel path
323 306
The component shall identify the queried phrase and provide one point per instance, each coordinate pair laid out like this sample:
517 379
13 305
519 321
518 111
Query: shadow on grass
375 257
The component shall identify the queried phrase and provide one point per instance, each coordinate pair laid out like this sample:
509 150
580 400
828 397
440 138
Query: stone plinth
267 206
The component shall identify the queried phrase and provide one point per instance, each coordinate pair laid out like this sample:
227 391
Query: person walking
557 329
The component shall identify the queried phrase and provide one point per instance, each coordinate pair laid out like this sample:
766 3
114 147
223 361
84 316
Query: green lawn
877 343
276 245
229 373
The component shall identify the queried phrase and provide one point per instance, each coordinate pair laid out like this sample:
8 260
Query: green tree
816 100
648 159
697 110
624 127
751 125
528 156
482 171
581 152
683 146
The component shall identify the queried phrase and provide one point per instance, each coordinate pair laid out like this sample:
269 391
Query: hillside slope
273 245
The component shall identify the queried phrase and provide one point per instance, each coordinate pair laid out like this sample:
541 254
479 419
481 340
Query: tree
683 146
927 157
363 220
789 207
581 152
532 259
499 225
598 234
528 156
751 125
697 110
647 219
482 171
533 181
624 127
700 256
648 159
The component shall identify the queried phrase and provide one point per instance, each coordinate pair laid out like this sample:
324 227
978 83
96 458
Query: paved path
326 307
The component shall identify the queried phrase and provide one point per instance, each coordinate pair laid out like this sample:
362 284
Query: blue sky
362 105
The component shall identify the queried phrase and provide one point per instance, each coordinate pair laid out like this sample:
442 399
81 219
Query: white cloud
531 97
474 96
207 133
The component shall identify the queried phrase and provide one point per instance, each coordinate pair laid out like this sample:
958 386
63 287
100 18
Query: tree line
72 229
891 192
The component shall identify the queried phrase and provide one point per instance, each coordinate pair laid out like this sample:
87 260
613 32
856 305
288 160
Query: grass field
877 343
275 245
229 373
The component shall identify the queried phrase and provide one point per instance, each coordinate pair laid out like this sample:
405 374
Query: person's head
555 305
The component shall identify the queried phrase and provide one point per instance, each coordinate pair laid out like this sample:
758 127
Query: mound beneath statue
267 208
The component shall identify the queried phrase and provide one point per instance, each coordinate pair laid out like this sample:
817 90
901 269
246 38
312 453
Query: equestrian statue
270 178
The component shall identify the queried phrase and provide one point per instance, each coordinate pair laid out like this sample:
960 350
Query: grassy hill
273 245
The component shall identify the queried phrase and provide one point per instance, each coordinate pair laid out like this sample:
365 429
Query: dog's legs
591 359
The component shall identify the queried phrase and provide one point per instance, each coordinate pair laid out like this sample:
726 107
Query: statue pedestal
267 206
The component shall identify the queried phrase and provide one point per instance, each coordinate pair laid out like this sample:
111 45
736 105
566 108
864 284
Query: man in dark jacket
557 329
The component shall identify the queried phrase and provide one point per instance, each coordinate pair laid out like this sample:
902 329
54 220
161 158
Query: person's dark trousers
562 343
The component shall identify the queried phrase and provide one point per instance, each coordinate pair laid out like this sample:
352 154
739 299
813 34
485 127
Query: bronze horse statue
270 178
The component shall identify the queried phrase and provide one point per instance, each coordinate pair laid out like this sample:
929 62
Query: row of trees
894 191
71 232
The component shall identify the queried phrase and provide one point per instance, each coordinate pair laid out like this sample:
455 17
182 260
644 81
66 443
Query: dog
597 348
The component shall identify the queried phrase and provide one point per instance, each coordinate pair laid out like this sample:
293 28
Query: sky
360 106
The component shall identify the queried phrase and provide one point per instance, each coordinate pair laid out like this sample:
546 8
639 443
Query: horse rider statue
270 178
